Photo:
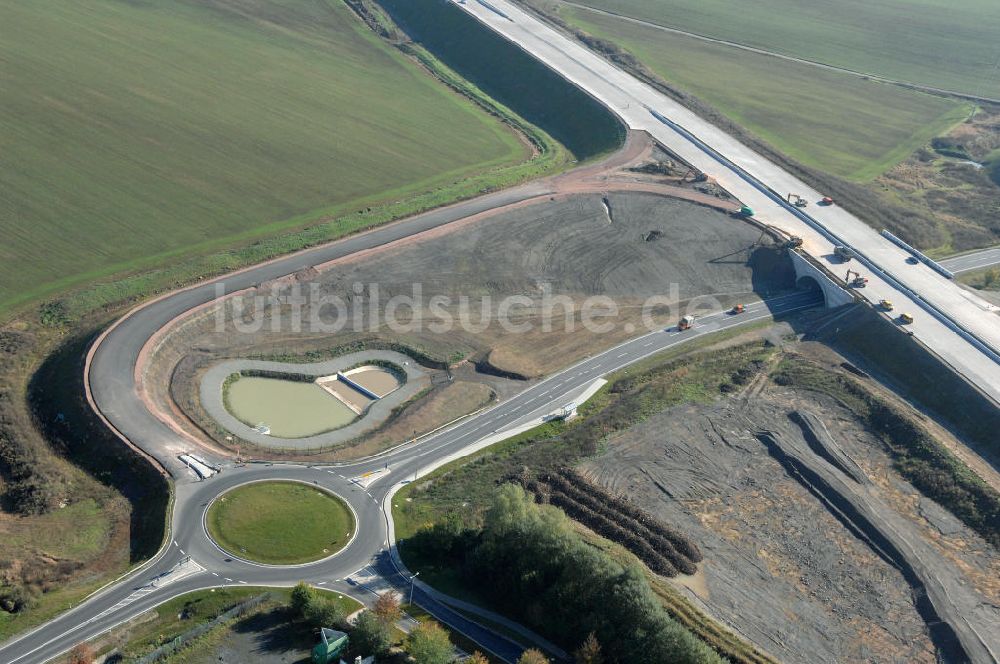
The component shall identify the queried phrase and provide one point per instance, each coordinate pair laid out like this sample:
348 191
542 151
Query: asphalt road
960 327
977 260
191 561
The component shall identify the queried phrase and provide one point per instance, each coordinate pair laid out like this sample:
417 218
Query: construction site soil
762 482
627 245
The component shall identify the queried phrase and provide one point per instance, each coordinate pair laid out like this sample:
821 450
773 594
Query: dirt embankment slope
783 566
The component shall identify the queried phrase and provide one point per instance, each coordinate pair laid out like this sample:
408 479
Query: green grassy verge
280 523
230 123
80 517
988 279
949 44
838 123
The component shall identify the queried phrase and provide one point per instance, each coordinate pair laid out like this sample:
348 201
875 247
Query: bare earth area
780 567
628 244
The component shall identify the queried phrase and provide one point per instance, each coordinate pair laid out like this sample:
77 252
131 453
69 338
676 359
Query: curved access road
191 561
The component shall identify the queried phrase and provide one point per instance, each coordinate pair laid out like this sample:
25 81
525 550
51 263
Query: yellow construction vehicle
885 304
905 318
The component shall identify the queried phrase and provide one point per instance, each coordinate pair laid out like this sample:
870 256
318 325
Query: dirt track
781 568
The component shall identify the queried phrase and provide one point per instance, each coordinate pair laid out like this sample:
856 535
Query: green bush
429 644
370 635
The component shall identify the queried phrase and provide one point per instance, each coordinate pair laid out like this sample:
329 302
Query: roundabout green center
280 522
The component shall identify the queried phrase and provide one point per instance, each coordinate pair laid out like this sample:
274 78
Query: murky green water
290 408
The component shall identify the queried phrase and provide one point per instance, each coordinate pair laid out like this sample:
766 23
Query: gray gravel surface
781 568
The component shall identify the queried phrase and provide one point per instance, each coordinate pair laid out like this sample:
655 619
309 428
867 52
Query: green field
834 122
949 44
133 133
280 523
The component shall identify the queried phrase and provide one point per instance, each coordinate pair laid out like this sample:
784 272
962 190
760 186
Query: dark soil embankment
664 550
911 370
795 570
867 520
64 416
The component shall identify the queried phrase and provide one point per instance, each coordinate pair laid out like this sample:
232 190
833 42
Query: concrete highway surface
977 260
960 327
192 561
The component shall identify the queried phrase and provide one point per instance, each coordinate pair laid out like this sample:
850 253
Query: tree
429 644
589 651
370 635
477 658
302 597
533 656
81 653
324 613
387 607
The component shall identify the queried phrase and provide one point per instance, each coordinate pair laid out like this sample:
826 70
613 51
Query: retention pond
287 408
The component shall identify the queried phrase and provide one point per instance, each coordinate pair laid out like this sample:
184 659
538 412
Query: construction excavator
797 200
857 282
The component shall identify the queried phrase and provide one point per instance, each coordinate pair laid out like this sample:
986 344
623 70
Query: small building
332 644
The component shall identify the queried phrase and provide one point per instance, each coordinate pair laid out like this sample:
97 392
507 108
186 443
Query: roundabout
280 522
